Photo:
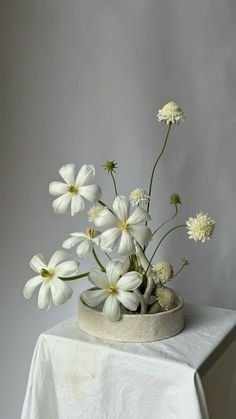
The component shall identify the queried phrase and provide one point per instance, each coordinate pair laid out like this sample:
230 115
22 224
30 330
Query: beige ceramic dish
133 327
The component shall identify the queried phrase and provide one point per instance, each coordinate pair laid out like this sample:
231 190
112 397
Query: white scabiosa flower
87 241
52 287
200 228
171 113
94 211
166 298
115 288
164 271
139 197
123 226
74 190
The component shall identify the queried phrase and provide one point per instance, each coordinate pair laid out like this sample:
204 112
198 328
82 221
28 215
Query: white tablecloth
76 376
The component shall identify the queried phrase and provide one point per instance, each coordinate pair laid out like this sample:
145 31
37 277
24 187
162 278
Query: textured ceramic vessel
133 327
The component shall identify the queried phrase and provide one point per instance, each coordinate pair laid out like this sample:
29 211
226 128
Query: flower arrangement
136 283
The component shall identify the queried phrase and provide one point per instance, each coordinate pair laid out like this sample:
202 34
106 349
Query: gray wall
82 82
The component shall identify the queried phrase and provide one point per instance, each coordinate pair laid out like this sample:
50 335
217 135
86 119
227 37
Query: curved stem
166 221
98 261
114 182
180 269
155 165
72 278
168 232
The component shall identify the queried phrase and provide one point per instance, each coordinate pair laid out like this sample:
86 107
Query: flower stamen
124 226
46 274
73 189
90 232
112 289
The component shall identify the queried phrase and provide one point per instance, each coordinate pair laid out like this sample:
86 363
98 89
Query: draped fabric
77 376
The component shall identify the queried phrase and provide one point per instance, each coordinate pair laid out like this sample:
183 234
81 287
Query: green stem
104 205
168 232
155 165
72 278
107 255
166 221
114 182
98 261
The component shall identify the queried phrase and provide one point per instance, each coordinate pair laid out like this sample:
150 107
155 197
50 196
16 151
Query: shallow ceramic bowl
133 327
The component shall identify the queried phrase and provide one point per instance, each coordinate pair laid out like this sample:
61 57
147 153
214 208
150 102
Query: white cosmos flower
52 287
74 189
116 288
86 240
201 227
123 226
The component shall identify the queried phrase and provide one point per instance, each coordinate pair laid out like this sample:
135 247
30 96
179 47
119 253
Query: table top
208 332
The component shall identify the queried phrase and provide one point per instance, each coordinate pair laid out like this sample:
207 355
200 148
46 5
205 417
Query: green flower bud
175 199
110 166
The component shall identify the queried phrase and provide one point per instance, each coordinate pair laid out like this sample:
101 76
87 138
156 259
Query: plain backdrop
82 81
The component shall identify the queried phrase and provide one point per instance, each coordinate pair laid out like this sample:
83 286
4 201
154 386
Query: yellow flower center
46 274
90 233
112 289
124 226
73 189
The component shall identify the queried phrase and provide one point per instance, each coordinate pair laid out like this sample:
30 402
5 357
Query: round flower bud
175 199
164 271
165 297
200 228
171 114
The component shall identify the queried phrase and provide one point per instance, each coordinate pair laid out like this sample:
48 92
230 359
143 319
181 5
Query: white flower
139 197
74 189
201 227
94 211
164 271
165 297
115 289
86 240
124 226
170 113
52 287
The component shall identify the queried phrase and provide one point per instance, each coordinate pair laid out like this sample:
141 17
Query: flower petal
126 246
58 257
61 204
37 263
121 207
141 234
128 300
65 269
114 269
85 175
69 243
44 297
61 292
130 281
57 188
109 238
98 278
105 218
93 297
85 247
31 285
91 192
139 215
111 308
77 204
67 173
80 236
